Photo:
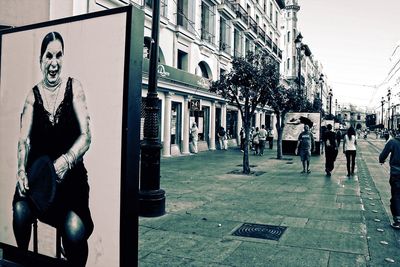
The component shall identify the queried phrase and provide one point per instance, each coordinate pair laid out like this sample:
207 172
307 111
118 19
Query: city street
330 221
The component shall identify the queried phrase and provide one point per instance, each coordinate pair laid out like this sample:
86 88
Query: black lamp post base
152 203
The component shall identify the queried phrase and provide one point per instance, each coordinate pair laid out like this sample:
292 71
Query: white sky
353 39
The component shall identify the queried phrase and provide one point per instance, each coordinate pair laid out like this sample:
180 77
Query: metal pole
388 114
330 103
299 71
322 86
382 102
151 197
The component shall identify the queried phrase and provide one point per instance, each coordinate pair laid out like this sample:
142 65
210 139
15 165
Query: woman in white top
350 148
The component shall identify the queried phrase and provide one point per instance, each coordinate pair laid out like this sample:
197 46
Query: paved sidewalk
327 220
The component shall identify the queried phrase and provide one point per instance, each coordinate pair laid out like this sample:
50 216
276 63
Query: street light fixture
321 82
299 47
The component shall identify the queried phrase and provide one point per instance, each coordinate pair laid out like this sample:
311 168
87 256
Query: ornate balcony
227 8
241 16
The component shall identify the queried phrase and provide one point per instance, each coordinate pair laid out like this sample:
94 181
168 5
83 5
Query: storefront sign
178 76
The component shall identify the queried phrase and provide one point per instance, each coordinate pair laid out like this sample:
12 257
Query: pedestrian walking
242 139
305 144
271 138
222 138
350 149
338 137
194 133
263 137
331 150
322 145
392 147
256 141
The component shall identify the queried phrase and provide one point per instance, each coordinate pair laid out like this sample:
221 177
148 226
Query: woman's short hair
50 37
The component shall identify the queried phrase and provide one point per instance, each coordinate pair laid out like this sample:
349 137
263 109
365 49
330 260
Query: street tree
248 86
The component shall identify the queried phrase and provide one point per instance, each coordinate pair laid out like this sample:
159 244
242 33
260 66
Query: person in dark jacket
392 147
331 149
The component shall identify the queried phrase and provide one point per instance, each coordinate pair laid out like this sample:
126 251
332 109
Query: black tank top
46 138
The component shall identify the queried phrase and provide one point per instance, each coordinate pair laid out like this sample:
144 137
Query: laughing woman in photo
55 126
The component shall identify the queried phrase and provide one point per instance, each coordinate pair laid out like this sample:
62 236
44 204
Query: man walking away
262 136
392 147
331 150
305 144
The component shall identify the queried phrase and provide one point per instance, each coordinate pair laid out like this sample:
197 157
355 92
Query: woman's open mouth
53 72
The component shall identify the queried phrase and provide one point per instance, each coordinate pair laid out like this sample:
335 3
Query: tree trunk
246 164
280 125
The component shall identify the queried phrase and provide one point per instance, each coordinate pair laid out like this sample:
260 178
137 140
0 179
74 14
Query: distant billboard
294 125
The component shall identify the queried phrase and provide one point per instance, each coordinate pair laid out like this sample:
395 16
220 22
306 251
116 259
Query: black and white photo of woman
55 123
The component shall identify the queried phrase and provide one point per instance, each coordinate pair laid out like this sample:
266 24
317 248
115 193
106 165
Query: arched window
203 70
146 50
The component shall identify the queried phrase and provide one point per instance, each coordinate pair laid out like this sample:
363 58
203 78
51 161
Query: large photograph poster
92 53
294 125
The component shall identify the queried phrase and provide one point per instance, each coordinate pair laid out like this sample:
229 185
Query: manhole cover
262 231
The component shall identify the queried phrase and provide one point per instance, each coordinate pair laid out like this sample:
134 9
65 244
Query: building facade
350 115
294 58
198 39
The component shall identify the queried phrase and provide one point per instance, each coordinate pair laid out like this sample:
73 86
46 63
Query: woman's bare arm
23 142
82 143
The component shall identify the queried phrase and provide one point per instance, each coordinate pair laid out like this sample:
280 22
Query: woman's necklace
51 109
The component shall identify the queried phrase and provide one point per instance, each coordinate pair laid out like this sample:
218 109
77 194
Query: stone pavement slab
329 220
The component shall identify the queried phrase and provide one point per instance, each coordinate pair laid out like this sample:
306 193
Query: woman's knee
74 228
22 213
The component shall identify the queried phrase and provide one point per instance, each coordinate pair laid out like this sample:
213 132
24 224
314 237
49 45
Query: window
207 23
237 36
224 36
265 6
270 11
163 6
358 117
185 15
288 63
276 19
183 60
288 37
247 45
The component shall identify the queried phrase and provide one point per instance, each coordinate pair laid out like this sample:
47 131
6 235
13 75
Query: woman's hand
296 151
61 167
22 182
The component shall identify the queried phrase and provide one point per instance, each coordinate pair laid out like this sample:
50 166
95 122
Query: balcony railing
261 33
229 4
207 36
224 47
184 21
252 24
268 41
275 48
241 13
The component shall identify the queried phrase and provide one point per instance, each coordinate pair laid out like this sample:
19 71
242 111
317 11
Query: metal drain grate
262 231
